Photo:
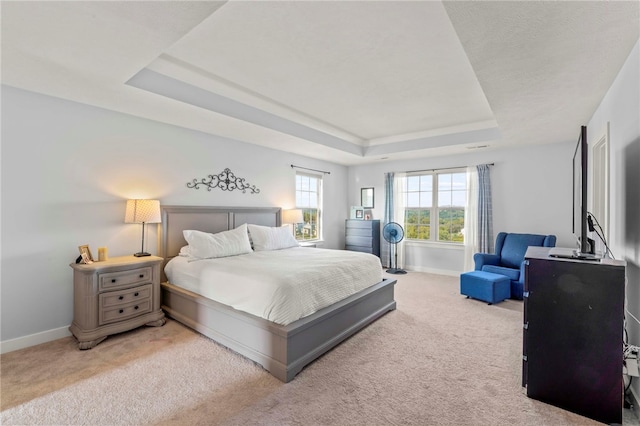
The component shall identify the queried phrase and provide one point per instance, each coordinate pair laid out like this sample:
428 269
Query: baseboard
433 270
34 339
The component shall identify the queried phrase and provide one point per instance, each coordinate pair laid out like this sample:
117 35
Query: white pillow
185 251
267 238
203 245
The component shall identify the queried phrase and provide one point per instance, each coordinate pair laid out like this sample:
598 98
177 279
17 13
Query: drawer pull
121 310
141 275
136 307
113 280
136 294
121 297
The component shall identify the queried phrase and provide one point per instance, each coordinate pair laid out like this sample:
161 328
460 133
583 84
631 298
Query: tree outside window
434 206
309 200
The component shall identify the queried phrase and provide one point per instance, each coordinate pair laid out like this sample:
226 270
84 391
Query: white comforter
280 285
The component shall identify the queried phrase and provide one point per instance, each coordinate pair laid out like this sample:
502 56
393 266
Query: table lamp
142 211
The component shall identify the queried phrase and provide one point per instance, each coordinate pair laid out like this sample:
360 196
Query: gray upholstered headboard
175 219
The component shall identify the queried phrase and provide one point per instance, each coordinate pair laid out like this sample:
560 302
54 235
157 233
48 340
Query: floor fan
393 234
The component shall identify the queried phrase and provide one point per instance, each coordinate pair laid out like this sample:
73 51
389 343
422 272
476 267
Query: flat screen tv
586 249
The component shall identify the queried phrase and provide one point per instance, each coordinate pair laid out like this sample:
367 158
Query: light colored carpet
439 359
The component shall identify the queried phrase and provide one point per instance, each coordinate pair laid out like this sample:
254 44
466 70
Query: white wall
621 108
531 190
67 170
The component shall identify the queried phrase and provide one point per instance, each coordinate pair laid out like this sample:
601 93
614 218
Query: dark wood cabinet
573 334
363 235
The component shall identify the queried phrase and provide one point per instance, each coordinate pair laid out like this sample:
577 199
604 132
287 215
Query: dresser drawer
115 306
124 297
120 313
362 249
360 224
358 241
361 232
363 235
113 280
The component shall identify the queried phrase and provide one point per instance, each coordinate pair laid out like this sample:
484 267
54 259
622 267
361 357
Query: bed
283 350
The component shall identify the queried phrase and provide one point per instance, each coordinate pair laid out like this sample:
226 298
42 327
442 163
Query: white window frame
319 194
434 209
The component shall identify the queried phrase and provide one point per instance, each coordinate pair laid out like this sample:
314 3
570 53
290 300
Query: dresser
572 334
363 235
113 296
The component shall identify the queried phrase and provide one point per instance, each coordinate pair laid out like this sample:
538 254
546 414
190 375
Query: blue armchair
509 257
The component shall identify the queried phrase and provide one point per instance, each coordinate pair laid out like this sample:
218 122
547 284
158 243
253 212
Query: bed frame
282 350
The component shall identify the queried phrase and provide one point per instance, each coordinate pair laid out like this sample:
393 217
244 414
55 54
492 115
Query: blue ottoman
491 288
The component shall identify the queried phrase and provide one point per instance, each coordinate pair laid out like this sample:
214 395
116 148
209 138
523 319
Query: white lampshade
142 211
292 216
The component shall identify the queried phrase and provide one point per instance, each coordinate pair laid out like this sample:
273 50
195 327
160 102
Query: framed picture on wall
367 198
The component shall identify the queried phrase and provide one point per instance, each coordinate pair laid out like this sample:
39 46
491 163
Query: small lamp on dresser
142 211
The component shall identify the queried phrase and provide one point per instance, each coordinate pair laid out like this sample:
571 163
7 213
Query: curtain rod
443 168
314 170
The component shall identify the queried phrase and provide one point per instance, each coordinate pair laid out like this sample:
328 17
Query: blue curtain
385 252
388 197
485 210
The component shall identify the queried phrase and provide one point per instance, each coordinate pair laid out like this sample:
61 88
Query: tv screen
580 213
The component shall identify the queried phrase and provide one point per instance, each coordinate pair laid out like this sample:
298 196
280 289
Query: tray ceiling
349 82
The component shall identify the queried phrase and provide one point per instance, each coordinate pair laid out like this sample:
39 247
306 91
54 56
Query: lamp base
142 254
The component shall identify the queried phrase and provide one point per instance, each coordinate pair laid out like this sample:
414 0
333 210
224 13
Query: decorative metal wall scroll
226 181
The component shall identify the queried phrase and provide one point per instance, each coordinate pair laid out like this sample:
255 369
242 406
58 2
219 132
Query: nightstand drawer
119 313
124 297
112 280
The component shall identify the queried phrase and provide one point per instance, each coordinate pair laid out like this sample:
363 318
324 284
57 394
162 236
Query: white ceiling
345 81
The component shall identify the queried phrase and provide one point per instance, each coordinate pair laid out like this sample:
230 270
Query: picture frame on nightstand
85 253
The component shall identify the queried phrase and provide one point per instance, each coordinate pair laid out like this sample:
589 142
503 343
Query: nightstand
113 296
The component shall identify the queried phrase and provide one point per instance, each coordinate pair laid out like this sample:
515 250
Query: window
309 199
434 206
418 204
